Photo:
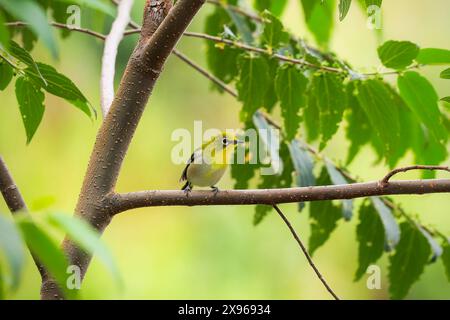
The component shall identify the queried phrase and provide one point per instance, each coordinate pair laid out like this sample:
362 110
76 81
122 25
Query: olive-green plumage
208 163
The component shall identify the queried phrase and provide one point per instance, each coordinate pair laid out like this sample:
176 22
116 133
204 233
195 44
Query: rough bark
117 130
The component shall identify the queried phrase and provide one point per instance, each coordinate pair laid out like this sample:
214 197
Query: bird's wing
195 155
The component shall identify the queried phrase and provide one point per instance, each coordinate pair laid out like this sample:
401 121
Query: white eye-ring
224 141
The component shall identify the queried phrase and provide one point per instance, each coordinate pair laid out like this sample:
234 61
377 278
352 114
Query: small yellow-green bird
208 163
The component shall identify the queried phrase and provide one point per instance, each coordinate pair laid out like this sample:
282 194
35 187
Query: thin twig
236 9
386 178
112 42
305 252
61 26
205 73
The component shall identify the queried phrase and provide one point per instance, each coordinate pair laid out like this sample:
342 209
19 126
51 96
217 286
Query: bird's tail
186 185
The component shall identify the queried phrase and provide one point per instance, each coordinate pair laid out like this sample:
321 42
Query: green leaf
434 245
31 105
381 111
323 215
311 117
290 86
446 99
242 26
221 60
327 91
446 258
34 15
252 84
94 4
445 74
370 236
4 32
6 74
24 57
61 86
369 3
48 253
344 7
275 6
359 131
409 260
391 229
433 56
87 238
397 54
319 17
338 179
421 97
12 248
273 34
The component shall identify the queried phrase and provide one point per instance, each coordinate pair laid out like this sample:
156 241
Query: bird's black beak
238 141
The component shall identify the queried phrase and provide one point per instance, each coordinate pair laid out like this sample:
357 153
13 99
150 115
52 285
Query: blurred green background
210 252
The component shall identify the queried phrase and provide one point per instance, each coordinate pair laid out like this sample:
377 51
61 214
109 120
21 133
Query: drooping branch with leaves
251 56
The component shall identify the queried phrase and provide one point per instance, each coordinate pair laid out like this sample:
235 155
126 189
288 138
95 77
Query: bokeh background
210 252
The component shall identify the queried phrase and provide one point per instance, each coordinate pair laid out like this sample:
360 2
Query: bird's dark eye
224 141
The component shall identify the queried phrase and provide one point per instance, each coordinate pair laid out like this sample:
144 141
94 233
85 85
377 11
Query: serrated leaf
344 7
273 33
391 229
323 215
397 54
358 128
319 18
311 117
221 61
47 251
408 262
370 236
24 57
380 109
252 84
328 95
87 238
6 74
338 179
445 74
242 26
61 86
435 247
271 99
31 105
421 97
433 56
290 86
12 249
34 15
94 4
446 258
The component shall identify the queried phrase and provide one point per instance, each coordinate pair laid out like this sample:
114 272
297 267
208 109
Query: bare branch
392 173
61 26
112 42
205 73
305 252
151 198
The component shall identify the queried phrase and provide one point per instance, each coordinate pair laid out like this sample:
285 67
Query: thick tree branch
151 198
117 130
112 42
15 202
305 252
